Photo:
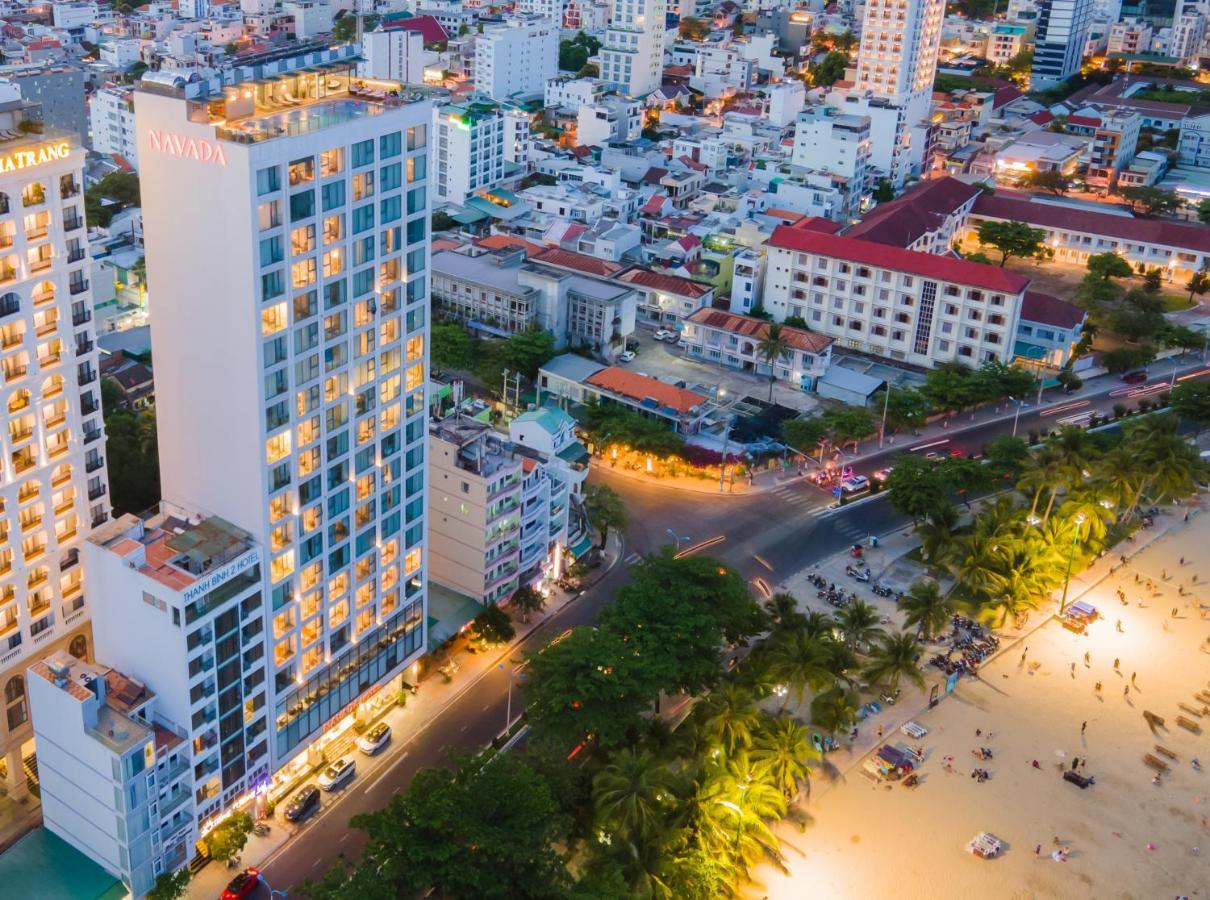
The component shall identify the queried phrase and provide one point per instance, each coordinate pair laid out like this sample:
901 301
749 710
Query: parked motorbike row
835 597
972 641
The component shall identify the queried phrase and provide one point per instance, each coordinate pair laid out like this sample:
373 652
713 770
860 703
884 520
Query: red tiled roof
733 323
579 262
1039 307
926 265
668 284
1068 218
788 216
902 222
429 28
817 223
653 175
1042 117
1086 121
684 71
1004 96
507 241
654 204
640 387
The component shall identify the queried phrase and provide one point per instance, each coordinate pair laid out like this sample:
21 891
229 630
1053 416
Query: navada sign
186 147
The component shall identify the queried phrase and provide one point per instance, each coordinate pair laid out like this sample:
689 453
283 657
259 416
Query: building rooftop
43 865
497 269
733 323
482 451
646 391
903 221
115 725
1048 310
572 367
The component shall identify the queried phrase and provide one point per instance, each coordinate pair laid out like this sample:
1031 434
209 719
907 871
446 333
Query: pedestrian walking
1073 670
1116 663
1133 675
1083 728
1182 560
1126 691
1097 688
1038 850
879 732
1119 624
1174 612
1087 663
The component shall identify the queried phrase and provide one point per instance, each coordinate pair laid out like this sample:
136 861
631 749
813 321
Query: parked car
302 804
374 739
934 456
665 335
884 474
1135 377
338 774
242 885
626 356
855 485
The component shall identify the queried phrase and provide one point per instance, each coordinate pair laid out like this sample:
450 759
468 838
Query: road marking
346 836
373 784
762 561
633 558
701 545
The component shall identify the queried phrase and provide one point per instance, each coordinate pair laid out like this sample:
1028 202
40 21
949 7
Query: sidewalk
406 722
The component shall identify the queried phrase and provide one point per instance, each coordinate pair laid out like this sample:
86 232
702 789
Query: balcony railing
75 255
81 316
71 223
78 287
90 436
95 493
91 465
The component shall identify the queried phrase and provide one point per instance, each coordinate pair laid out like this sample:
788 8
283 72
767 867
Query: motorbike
260 829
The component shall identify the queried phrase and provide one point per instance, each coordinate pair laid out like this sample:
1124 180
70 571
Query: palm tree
817 624
730 719
936 535
1118 474
782 608
894 657
799 661
1030 566
835 709
1092 502
1171 464
780 753
1075 450
733 808
974 562
1043 473
926 608
772 347
632 795
859 622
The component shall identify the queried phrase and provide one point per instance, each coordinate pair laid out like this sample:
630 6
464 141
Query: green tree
1012 239
849 425
732 810
730 719
906 407
633 796
527 600
494 625
1191 400
1151 201
858 622
783 612
170 885
692 29
936 534
917 488
605 509
804 435
1198 284
926 609
1050 180
527 351
1203 212
1005 455
835 709
780 752
829 70
132 460
345 28
111 194
228 838
451 347
772 348
1104 266
800 662
884 192
893 658
1176 335
1123 359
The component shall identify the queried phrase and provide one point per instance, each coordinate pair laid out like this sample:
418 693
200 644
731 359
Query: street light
886 403
677 537
722 469
1079 520
1017 414
508 709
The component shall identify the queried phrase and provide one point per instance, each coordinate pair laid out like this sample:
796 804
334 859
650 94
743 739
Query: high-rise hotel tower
286 222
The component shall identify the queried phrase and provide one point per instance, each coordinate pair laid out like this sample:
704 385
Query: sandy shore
1125 836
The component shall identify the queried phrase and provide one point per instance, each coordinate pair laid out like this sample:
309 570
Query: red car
1135 377
955 453
242 885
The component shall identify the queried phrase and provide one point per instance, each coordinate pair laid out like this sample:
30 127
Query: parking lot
667 362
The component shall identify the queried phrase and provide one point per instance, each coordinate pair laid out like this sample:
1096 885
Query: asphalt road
768 535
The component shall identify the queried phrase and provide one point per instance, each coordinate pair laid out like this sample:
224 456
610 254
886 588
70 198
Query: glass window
270 251
268 215
416 168
333 263
334 229
302 273
416 200
417 137
333 195
272 284
302 240
363 185
268 180
392 176
363 153
335 294
391 209
302 205
302 171
305 306
363 218
390 145
363 251
331 162
416 230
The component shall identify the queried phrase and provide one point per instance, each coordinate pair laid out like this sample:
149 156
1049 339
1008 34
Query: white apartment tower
469 140
395 55
53 488
1059 41
111 118
632 58
517 57
295 312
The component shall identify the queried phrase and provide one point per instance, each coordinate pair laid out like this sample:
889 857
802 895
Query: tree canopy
1012 239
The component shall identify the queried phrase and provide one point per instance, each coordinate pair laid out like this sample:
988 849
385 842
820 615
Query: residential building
1048 331
469 143
632 58
666 300
1130 37
721 69
614 119
111 112
727 339
495 513
517 57
580 380
112 780
1005 41
571 92
927 218
1059 41
912 307
1193 148
747 280
830 141
1188 29
312 277
396 54
59 91
1115 135
54 487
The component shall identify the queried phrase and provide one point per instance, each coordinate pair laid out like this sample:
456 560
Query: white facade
111 117
569 92
311 18
516 137
839 144
469 150
53 486
1188 29
396 55
517 57
632 58
786 101
1132 36
296 315
74 16
193 9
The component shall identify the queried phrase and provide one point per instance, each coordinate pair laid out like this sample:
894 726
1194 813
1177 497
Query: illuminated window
273 319
308 431
309 577
365 486
331 162
302 240
280 537
333 263
338 613
338 586
389 389
277 447
302 273
411 562
279 507
334 229
365 594
302 171
312 518
415 348
282 567
415 377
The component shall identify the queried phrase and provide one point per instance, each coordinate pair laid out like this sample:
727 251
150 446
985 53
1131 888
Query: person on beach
1116 663
1087 661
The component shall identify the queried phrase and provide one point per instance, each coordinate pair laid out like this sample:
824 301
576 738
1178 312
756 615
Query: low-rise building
1048 331
666 300
1115 135
727 339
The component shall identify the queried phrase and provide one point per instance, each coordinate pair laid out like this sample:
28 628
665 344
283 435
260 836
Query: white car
855 484
626 356
374 739
337 774
665 335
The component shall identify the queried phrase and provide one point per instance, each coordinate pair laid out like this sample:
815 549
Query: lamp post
677 537
1079 520
508 708
1017 414
886 403
722 469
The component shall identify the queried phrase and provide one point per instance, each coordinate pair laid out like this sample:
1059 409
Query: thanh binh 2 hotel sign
33 156
198 149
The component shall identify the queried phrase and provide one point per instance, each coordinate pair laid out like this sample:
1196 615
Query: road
769 535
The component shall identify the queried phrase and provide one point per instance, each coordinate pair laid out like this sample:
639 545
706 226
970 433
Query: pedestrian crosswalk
633 558
800 495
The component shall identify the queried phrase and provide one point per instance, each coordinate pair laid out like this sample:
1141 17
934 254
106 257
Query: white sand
868 841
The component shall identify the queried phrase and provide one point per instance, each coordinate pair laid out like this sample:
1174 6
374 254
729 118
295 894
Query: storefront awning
448 612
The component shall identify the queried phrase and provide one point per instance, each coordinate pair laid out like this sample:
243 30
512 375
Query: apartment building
827 140
490 511
395 54
469 145
517 57
111 116
1115 135
54 487
1130 37
890 302
296 316
632 58
1005 41
1059 41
